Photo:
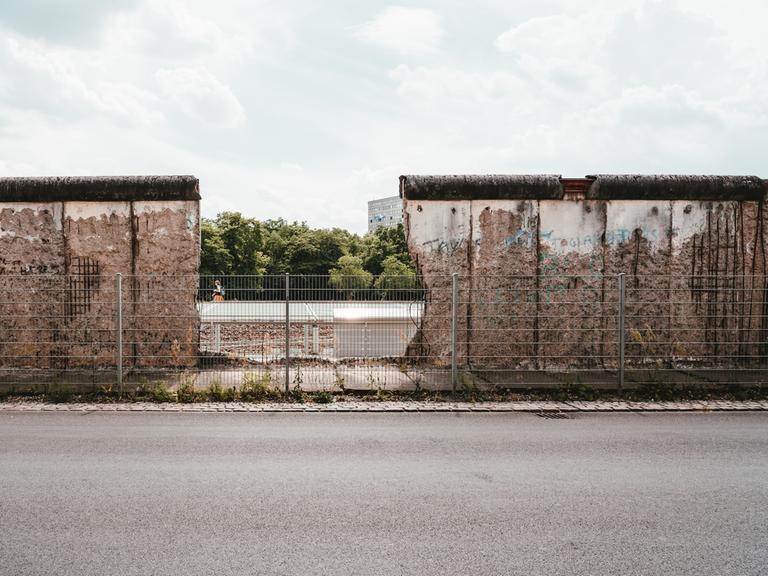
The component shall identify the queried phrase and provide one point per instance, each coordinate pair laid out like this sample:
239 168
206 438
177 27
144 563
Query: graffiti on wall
440 247
615 237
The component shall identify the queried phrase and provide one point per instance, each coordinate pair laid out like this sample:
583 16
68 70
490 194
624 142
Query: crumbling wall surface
163 317
98 241
692 249
571 325
714 242
718 272
446 229
31 243
501 316
439 236
637 242
31 239
68 238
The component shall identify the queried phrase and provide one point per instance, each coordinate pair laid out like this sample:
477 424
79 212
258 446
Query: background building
385 212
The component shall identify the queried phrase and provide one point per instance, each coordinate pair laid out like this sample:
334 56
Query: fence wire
341 332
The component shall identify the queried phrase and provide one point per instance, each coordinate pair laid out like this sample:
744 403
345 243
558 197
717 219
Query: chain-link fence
342 332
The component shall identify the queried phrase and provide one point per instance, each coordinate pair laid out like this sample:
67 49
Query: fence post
287 333
622 298
119 330
454 319
217 338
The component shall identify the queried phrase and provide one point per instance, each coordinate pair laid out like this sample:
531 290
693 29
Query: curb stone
402 407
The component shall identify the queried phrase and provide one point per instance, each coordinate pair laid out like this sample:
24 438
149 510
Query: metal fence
443 331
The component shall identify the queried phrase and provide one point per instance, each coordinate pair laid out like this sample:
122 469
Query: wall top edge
594 187
98 188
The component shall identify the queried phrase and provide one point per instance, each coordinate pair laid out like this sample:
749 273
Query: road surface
469 494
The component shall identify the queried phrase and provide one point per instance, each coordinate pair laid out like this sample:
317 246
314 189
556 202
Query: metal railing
442 331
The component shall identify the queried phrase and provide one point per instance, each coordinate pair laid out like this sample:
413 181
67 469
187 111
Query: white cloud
171 27
562 36
70 81
443 82
201 95
602 49
557 49
404 30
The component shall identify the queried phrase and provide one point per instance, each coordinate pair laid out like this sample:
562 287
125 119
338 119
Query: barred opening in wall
82 282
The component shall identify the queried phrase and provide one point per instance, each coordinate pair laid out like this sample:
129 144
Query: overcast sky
306 109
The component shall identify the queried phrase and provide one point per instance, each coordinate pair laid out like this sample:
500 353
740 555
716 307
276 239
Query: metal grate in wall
82 283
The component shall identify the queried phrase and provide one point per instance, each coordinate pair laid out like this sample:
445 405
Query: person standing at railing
218 291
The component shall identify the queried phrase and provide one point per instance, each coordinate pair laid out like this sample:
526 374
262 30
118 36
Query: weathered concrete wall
637 242
442 247
165 307
719 261
31 239
540 268
97 236
59 255
501 315
570 272
31 242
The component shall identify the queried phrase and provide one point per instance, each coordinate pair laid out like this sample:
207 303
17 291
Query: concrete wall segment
96 228
667 234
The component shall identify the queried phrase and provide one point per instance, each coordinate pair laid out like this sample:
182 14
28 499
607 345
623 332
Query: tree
397 280
384 242
349 276
244 239
215 258
233 244
280 235
314 252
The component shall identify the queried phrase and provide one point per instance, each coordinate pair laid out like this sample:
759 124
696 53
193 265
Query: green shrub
160 393
186 392
256 387
216 393
323 397
113 392
297 394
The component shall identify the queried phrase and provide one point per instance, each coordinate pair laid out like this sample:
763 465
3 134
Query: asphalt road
469 494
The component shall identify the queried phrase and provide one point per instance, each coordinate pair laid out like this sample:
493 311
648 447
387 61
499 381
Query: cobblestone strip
527 406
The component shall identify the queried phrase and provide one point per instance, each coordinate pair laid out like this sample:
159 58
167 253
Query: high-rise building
385 212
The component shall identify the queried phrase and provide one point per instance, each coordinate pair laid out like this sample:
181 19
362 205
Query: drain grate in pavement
554 415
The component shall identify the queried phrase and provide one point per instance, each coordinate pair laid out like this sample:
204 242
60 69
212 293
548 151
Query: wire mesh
332 332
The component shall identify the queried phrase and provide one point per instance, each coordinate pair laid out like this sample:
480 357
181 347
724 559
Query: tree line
332 263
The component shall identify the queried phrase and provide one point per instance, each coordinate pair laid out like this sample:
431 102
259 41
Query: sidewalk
408 406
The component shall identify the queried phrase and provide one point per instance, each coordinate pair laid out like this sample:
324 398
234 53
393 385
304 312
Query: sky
307 109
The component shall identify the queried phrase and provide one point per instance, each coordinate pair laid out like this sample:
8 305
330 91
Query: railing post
454 320
287 333
622 302
119 330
